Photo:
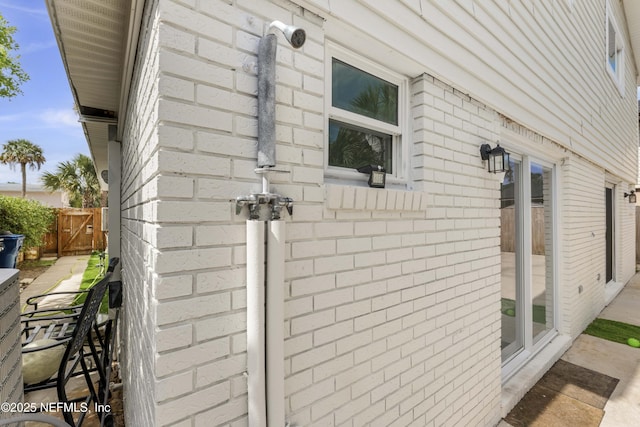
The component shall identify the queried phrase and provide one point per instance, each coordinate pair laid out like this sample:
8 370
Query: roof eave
100 102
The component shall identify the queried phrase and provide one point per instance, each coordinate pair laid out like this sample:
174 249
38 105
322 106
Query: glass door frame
610 235
524 264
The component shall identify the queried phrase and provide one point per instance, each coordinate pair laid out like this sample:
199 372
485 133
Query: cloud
37 47
31 10
60 118
8 118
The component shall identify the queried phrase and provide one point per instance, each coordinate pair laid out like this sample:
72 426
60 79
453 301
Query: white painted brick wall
139 234
584 233
391 295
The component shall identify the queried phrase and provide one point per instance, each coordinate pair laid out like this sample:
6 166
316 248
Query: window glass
542 281
614 50
363 93
611 48
352 146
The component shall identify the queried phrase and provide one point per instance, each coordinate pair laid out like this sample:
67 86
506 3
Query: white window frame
616 74
399 132
530 348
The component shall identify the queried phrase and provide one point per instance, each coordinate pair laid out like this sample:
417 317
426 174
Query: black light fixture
497 158
377 175
632 196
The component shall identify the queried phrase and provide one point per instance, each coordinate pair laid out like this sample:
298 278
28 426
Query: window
615 51
365 116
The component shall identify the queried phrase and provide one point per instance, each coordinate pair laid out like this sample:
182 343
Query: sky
44 113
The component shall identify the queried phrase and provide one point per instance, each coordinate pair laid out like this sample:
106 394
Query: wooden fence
75 232
508 229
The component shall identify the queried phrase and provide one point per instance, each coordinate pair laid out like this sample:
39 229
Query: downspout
265 337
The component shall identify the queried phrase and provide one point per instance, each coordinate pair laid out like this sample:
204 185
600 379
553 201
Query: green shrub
28 217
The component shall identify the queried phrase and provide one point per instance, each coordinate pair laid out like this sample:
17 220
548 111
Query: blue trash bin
10 245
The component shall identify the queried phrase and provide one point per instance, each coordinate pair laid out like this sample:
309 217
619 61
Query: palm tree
78 178
22 152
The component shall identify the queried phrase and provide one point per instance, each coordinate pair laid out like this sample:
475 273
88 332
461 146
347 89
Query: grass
613 331
36 263
508 307
90 277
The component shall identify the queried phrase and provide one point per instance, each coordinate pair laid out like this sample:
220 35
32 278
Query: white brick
174 286
312 249
174 386
332 332
330 299
223 413
222 369
354 341
177 88
194 259
191 308
312 321
220 235
174 338
174 237
177 361
311 394
203 399
220 280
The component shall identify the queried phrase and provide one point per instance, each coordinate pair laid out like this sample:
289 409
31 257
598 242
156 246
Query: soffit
92 37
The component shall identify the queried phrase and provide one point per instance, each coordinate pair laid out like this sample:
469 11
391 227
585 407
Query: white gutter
129 58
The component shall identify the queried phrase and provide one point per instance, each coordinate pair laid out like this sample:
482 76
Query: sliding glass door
527 250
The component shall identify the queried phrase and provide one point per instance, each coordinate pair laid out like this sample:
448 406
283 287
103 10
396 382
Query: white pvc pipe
275 323
255 324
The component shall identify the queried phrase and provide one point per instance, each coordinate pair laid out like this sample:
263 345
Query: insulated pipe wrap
267 101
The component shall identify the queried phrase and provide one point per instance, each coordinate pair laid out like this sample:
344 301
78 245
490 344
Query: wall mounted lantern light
497 159
377 175
632 196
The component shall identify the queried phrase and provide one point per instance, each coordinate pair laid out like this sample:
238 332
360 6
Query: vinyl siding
541 63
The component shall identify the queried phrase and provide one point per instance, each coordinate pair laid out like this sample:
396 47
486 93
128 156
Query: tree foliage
28 217
24 153
11 73
78 179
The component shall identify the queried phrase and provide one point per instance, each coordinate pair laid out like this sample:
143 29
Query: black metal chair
57 323
87 349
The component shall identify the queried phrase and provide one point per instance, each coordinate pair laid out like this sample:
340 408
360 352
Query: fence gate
79 231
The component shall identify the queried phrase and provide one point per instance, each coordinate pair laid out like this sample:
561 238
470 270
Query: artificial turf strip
90 277
613 331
